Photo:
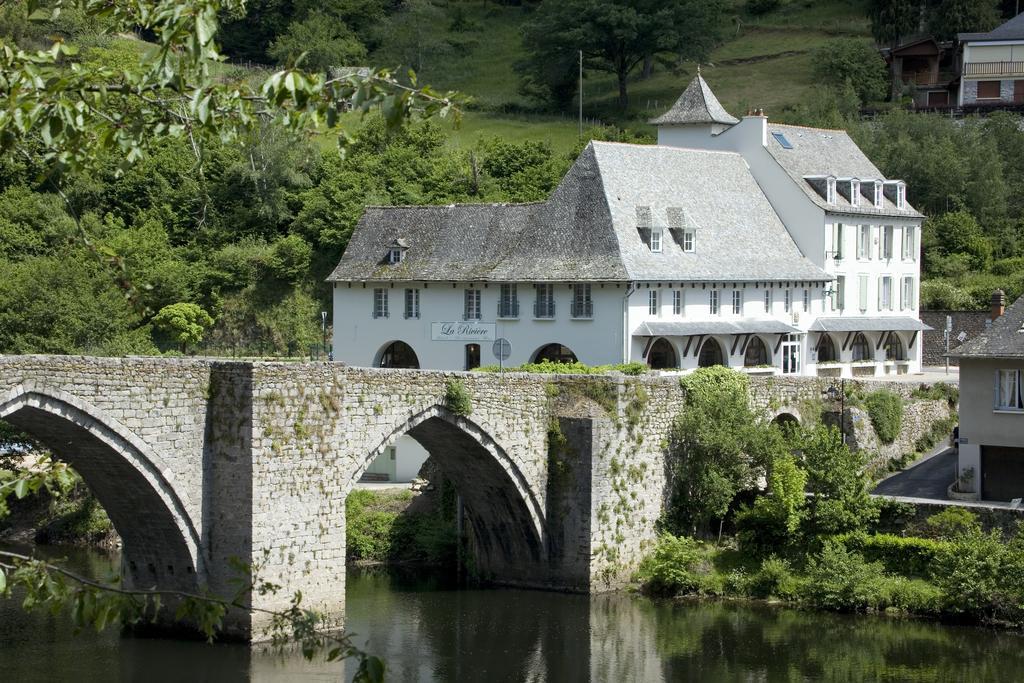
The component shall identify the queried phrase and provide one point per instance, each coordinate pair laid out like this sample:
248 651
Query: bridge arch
131 482
506 517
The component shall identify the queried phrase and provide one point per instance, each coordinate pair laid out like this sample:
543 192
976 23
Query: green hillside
764 62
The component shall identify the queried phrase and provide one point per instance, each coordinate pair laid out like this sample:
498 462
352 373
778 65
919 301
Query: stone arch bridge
197 461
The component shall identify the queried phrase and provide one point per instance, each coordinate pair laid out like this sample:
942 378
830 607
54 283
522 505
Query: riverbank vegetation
813 535
397 527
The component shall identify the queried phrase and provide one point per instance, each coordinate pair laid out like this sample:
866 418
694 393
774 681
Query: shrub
774 579
940 391
952 523
980 575
547 367
839 579
886 412
910 555
912 595
1009 266
457 397
679 564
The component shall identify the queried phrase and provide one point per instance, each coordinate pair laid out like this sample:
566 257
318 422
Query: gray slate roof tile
697 104
821 152
587 230
1004 339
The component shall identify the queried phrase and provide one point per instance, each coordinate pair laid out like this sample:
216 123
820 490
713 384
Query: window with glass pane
907 300
737 301
380 303
864 242
582 304
767 301
837 241
885 243
1009 394
839 297
863 287
412 303
885 293
909 246
807 300
652 302
689 240
677 302
656 241
472 308
787 301
713 301
544 306
508 302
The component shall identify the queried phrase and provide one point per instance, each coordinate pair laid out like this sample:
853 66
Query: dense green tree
958 233
615 36
321 40
184 322
891 22
947 18
853 61
836 478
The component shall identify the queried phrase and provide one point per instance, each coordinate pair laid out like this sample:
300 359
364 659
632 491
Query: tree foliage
615 36
185 323
852 61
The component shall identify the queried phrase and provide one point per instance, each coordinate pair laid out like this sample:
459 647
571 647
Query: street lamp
835 393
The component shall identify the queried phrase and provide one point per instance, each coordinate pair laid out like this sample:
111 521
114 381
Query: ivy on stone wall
885 409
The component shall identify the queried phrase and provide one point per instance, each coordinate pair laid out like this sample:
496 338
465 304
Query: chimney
998 304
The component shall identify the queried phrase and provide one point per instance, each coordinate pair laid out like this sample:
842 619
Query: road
927 479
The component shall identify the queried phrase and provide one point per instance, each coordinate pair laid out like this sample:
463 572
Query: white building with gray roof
845 217
777 249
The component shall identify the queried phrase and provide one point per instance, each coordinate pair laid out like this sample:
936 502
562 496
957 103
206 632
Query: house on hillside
928 68
844 216
991 458
992 65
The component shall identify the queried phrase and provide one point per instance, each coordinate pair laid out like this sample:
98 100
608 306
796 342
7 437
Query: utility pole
581 94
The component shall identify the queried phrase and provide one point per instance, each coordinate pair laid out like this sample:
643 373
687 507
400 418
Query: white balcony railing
994 69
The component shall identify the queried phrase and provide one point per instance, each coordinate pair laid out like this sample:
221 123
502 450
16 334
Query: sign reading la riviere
462 331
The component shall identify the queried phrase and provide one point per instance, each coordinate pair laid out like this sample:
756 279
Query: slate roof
1004 339
868 324
1011 30
588 229
689 329
821 152
697 104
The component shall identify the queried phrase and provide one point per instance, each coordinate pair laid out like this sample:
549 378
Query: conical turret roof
697 104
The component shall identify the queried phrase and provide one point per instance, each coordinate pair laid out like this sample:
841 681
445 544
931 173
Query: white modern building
777 249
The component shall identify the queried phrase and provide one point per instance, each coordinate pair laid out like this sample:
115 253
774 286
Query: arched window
826 349
894 349
861 348
555 353
710 354
398 355
662 356
756 353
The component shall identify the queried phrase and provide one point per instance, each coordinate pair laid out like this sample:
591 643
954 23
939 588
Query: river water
426 630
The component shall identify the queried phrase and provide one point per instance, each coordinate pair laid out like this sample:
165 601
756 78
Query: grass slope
764 62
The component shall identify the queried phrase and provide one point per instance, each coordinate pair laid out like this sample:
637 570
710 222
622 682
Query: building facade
776 249
992 65
991 445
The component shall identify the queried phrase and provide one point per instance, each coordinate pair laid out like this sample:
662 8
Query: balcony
508 310
985 69
544 309
583 309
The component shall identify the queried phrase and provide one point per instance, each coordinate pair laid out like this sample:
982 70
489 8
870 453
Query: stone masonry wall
972 323
564 477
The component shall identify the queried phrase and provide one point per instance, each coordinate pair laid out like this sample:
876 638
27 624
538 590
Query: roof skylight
781 139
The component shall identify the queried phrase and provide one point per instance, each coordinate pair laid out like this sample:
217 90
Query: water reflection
427 630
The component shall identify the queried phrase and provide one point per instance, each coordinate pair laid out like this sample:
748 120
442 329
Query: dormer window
396 252
689 241
854 192
878 195
830 191
901 196
656 241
